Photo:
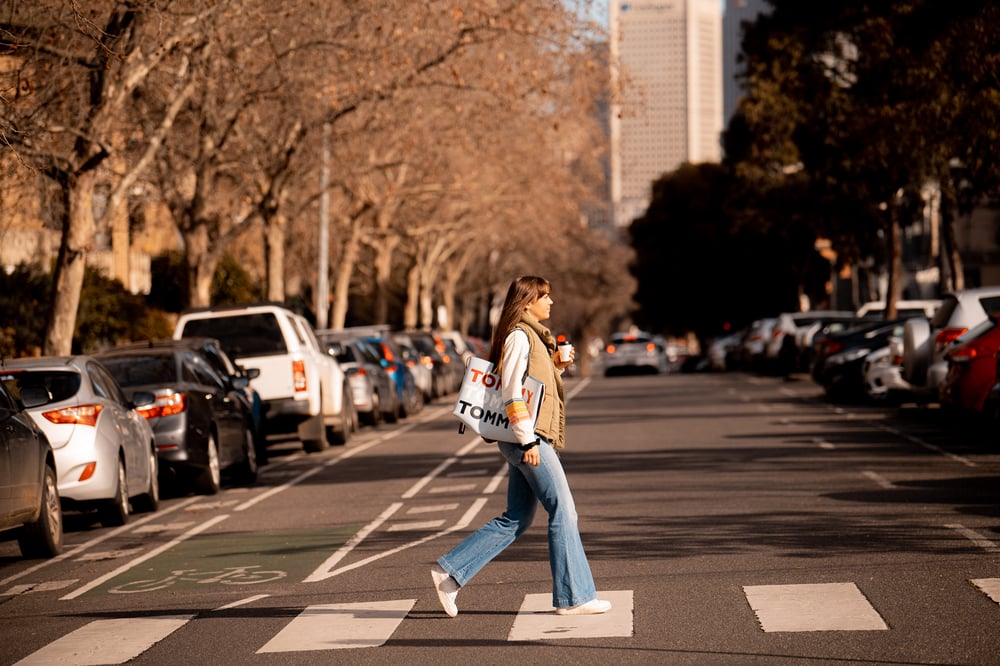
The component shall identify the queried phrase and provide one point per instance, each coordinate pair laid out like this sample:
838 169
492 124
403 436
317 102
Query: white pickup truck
303 390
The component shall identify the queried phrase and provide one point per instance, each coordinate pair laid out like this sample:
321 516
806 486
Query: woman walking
522 346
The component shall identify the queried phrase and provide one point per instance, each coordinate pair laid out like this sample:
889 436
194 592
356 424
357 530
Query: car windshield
59 384
142 370
245 335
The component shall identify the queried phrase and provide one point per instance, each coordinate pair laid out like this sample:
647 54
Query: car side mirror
251 373
241 383
34 396
142 399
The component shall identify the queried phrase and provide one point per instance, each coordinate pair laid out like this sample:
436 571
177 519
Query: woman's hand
531 457
564 364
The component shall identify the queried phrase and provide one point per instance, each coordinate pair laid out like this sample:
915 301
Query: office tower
737 12
669 55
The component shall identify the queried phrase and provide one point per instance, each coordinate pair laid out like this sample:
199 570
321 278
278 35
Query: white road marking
243 602
464 488
975 537
989 586
108 555
880 480
47 586
467 472
433 508
816 607
537 620
340 626
106 641
165 527
322 572
415 525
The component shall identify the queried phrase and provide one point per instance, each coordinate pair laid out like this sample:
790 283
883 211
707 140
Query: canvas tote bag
480 404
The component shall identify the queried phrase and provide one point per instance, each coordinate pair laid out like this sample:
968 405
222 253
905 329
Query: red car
972 367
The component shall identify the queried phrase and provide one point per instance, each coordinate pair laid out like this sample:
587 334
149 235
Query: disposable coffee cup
565 351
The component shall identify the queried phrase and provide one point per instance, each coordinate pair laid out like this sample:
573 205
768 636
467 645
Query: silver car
634 351
104 450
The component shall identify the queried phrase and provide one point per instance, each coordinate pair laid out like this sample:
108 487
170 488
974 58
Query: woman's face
540 308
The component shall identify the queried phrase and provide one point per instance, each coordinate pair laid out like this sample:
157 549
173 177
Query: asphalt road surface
731 519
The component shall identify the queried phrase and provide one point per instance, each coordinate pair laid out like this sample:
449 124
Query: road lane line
148 556
433 508
243 602
340 626
975 537
416 525
107 641
461 524
322 572
880 480
132 525
815 607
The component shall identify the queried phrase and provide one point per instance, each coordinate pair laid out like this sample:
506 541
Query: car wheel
374 417
339 434
209 479
150 500
918 346
246 472
115 512
44 537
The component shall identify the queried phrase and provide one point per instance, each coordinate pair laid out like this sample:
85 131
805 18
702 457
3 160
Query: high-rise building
737 13
668 54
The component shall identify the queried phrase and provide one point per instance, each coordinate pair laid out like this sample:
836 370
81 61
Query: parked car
200 423
421 366
883 373
781 349
633 350
751 350
372 389
304 390
411 398
840 370
29 493
875 310
925 342
236 376
721 350
972 368
446 372
104 450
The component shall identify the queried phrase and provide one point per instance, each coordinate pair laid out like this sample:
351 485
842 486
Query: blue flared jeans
572 582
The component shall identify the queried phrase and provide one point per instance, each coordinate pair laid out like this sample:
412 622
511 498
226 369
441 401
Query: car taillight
650 347
166 404
610 349
947 335
428 361
387 352
80 415
299 375
88 471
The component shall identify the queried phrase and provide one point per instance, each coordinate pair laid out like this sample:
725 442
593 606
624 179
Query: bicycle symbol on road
227 576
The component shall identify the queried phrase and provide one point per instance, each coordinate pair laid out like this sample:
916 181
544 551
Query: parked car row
100 433
942 351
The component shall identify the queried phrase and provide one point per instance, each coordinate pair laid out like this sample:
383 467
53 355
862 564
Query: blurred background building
669 56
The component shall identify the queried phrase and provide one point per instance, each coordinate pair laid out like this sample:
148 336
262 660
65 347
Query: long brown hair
522 292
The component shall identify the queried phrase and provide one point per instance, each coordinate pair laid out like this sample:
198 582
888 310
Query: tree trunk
345 269
895 261
412 297
950 254
201 262
67 279
275 232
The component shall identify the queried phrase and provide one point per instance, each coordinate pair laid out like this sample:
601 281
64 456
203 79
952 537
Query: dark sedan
201 424
839 362
29 495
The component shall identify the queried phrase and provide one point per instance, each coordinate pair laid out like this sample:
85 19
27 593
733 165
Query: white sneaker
447 589
592 607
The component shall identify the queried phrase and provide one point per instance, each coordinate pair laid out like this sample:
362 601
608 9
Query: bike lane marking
139 560
106 641
340 626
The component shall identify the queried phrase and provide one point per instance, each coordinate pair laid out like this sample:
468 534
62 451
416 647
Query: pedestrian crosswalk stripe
337 626
989 586
106 641
537 620
816 607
